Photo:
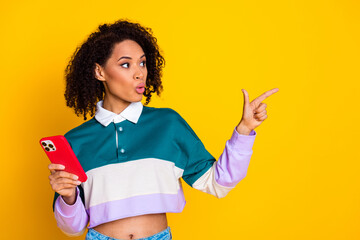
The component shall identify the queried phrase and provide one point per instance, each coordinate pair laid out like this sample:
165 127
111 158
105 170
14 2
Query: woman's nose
139 74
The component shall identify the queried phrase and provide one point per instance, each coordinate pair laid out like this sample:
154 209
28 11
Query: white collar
131 113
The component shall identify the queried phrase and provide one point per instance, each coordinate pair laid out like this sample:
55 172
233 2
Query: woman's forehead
128 48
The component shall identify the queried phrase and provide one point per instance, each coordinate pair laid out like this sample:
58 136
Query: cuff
242 142
66 209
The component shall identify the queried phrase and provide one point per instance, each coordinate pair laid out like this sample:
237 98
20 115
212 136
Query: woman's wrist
70 200
242 129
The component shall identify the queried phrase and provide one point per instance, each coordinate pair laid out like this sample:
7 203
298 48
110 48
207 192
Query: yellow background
303 178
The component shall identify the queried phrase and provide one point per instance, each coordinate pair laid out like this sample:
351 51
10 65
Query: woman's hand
63 183
254 112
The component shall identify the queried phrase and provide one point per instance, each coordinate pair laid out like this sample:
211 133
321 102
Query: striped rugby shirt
134 161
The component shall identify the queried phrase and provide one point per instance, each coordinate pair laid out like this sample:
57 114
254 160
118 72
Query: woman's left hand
254 112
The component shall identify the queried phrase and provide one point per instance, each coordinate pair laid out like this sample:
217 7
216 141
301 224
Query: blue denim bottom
163 235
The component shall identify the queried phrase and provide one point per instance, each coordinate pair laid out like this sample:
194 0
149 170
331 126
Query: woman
134 155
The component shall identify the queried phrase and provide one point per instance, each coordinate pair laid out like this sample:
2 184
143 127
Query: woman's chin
138 98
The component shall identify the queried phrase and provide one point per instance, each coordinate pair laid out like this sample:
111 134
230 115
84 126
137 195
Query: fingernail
62 167
75 177
78 182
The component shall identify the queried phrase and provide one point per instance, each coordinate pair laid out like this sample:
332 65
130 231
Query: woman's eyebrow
129 57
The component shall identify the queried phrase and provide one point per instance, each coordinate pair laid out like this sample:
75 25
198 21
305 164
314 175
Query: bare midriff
134 227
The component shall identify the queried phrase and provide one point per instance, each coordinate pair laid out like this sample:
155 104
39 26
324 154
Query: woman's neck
115 105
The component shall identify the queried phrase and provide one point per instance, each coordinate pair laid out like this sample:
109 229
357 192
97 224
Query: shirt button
122 150
120 129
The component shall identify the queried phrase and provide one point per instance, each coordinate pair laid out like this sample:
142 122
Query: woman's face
124 74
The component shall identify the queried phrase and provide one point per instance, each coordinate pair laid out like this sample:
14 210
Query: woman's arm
233 163
230 168
70 214
71 219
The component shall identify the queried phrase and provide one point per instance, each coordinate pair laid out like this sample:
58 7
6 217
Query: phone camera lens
47 149
50 145
43 143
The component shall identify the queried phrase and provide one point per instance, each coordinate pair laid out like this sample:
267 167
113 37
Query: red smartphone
59 151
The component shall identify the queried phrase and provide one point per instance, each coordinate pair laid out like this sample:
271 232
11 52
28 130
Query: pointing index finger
263 96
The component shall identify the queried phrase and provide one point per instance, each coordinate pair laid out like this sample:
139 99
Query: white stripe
123 180
74 234
207 183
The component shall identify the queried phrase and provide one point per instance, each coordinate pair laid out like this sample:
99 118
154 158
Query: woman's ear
99 74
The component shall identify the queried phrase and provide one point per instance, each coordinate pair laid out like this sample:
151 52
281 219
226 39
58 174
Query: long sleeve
230 168
71 219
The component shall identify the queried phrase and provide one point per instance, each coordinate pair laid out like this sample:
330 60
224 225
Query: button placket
121 150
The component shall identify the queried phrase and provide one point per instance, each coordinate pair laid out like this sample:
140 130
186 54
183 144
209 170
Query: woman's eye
124 64
143 62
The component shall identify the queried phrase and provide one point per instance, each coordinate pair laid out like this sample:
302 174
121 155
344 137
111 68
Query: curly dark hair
83 90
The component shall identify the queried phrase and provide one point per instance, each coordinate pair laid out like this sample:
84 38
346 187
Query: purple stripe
134 206
233 163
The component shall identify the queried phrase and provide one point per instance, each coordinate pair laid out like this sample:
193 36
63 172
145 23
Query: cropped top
134 161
